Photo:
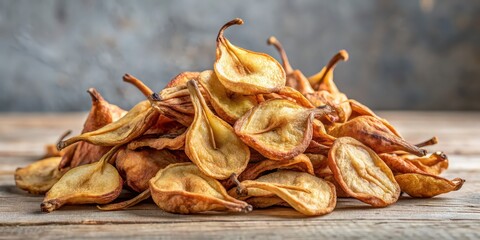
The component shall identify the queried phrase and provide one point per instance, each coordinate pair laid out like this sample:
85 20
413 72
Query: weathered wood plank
284 229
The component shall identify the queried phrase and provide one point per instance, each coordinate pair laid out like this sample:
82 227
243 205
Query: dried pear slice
294 78
265 202
183 188
211 142
101 114
168 141
138 167
97 182
228 105
38 177
182 79
133 124
277 128
373 133
434 163
299 163
128 203
426 186
398 164
246 72
362 110
361 173
323 80
313 196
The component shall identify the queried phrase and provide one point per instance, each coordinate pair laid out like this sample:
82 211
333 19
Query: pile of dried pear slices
251 133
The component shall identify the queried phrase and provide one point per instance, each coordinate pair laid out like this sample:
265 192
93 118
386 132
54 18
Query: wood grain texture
453 215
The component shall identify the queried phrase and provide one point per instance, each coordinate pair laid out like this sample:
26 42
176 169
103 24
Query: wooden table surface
453 215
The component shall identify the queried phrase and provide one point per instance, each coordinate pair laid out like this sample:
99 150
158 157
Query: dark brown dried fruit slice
138 167
361 173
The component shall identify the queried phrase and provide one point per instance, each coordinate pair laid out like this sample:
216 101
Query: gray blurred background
416 54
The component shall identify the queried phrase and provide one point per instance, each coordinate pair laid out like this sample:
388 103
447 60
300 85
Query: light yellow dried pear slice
97 182
228 105
211 142
246 72
361 173
130 126
277 128
426 186
313 196
183 188
38 177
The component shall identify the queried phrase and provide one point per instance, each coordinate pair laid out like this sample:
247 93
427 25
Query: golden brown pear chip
182 79
174 141
128 203
228 105
97 182
183 188
299 163
426 186
101 114
373 133
38 177
307 194
359 109
278 129
434 163
138 167
246 72
133 124
211 142
361 173
399 165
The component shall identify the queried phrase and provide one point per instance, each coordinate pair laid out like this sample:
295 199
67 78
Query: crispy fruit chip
97 182
211 142
426 186
133 124
38 177
372 132
307 194
183 188
361 173
228 105
246 72
278 129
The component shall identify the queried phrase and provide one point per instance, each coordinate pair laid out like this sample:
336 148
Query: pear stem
236 21
140 85
95 95
286 64
429 142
